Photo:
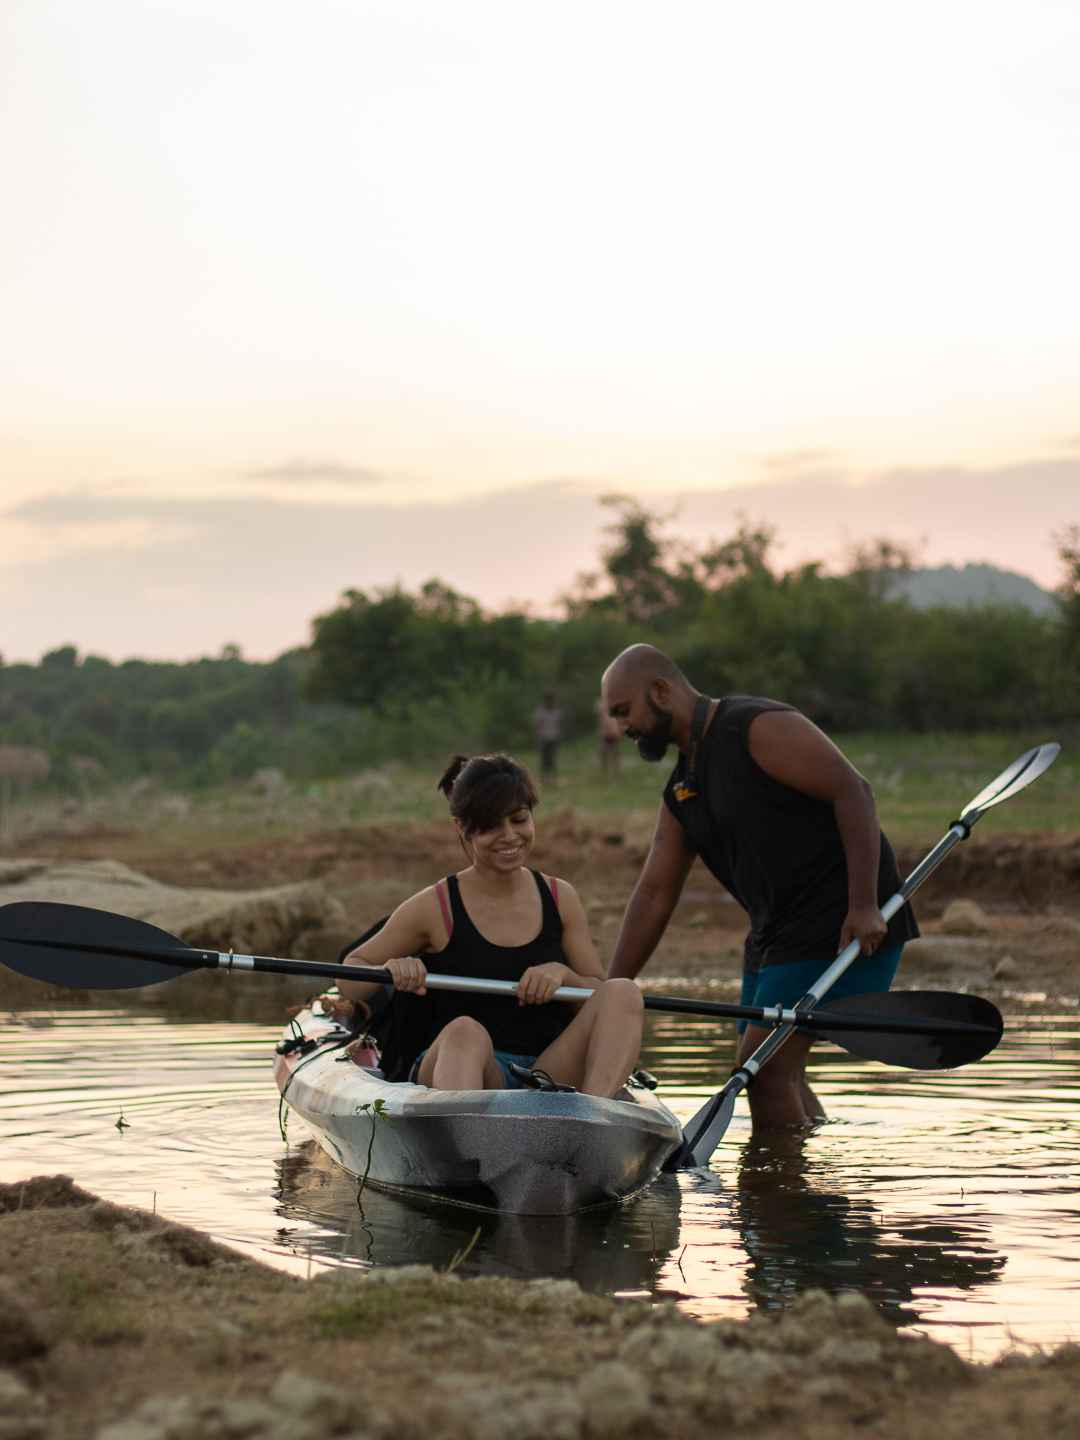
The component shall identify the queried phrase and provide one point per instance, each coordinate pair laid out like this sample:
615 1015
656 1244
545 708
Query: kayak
523 1152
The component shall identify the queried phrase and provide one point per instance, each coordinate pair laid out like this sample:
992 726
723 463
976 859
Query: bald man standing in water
788 825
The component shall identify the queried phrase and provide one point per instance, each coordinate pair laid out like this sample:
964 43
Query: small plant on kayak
460 1256
375 1109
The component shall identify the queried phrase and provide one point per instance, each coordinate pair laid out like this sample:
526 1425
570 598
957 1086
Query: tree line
394 674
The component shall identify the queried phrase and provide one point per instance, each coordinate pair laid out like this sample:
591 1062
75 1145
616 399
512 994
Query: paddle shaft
193 959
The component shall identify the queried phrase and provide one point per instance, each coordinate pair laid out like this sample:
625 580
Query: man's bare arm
654 897
792 749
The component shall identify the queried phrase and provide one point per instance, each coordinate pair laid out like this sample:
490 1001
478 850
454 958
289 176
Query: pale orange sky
286 293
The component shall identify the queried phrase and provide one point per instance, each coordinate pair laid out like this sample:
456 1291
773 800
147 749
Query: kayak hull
524 1152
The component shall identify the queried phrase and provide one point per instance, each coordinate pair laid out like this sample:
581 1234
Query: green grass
921 783
341 1309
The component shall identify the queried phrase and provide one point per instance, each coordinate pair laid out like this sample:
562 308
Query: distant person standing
608 733
547 727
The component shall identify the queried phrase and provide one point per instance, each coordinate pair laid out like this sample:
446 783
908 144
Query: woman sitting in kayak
500 920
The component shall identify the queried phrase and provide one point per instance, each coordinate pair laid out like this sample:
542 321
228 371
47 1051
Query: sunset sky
296 297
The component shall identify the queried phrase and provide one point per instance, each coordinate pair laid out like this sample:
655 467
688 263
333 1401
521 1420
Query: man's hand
866 924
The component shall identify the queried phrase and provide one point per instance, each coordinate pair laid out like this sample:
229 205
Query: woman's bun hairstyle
450 774
483 790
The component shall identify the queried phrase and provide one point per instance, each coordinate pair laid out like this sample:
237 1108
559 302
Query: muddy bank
595 851
266 920
1027 889
118 1325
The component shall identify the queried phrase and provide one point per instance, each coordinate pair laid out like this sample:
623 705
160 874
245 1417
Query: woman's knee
622 995
465 1033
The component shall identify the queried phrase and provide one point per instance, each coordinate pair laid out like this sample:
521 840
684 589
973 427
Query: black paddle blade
942 1049
48 942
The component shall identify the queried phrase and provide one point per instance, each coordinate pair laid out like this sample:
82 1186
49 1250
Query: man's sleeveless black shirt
777 851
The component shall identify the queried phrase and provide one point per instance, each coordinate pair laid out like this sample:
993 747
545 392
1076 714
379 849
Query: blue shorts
503 1058
787 983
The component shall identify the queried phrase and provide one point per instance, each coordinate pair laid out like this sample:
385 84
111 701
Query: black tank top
777 851
519 1029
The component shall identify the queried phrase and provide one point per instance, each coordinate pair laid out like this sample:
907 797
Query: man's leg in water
779 1094
783 1078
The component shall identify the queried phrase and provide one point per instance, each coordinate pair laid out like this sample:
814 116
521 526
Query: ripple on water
950 1199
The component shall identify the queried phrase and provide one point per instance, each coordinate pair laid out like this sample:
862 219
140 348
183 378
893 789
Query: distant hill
974 585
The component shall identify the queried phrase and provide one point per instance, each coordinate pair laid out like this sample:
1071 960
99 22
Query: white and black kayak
524 1152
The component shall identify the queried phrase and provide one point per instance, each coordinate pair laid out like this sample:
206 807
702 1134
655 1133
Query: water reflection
615 1249
798 1235
789 1232
915 1194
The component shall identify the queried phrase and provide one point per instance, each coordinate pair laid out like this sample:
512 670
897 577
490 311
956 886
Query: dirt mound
265 921
51 1192
221 919
1034 871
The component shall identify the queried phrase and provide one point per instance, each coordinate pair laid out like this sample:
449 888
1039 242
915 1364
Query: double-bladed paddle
704 1132
98 950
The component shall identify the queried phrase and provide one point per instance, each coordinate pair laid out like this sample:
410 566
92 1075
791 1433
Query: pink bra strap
448 919
554 890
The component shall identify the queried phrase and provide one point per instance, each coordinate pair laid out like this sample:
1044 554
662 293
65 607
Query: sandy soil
119 1325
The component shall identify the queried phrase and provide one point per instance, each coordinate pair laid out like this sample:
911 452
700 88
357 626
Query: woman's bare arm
415 928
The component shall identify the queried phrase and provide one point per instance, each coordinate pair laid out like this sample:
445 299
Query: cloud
317 472
1003 515
799 459
257 569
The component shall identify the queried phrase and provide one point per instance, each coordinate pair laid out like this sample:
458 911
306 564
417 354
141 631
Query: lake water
952 1200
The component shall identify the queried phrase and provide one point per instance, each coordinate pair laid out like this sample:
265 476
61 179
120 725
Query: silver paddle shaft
467 984
475 985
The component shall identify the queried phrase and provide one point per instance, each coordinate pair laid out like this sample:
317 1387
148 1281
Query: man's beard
653 745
